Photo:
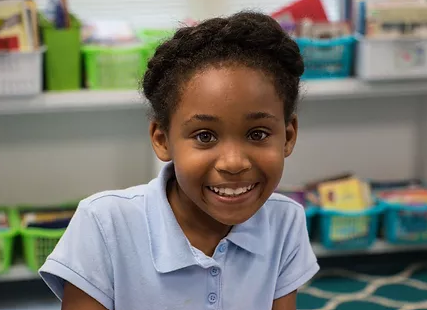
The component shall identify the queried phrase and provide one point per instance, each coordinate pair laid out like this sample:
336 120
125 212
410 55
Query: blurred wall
55 157
63 156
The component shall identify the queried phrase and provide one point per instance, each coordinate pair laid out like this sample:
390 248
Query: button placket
212 298
222 248
214 271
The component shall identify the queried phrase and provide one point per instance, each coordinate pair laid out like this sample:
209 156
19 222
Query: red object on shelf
9 44
312 9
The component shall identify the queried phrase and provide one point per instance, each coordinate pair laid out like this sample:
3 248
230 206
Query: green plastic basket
7 238
152 38
38 243
112 68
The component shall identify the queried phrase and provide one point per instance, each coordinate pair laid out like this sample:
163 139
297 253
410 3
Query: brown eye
258 135
205 137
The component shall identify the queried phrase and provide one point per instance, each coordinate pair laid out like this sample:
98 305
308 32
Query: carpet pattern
339 289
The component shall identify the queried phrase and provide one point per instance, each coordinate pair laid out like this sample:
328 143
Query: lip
233 185
237 200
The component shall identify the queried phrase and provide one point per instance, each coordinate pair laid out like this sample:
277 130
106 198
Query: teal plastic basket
349 230
405 224
310 213
327 58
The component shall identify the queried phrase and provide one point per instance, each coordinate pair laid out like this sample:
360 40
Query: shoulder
106 205
284 210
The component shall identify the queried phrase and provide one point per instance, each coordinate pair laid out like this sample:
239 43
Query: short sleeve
299 264
81 258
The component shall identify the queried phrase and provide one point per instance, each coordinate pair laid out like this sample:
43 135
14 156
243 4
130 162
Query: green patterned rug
404 289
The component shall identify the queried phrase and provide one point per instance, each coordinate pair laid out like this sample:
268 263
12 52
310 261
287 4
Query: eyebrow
260 115
215 119
202 118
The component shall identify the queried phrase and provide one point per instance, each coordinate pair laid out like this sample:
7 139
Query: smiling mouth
231 192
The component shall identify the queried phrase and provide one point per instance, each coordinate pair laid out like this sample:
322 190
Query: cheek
271 163
191 166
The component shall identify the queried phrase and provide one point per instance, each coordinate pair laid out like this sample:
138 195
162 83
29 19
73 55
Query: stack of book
18 26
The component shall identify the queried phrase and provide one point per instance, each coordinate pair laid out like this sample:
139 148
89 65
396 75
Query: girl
208 233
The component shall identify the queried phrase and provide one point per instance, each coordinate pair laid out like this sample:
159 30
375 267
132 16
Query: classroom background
72 123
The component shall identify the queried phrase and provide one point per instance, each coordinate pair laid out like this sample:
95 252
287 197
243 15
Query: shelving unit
324 93
87 100
380 247
84 100
19 272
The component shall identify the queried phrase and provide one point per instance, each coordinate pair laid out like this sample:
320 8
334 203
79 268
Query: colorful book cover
14 23
409 197
303 9
346 195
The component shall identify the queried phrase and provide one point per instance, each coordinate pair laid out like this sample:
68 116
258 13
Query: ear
159 142
291 132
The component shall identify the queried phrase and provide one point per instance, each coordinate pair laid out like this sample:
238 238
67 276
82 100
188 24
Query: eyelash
213 139
263 132
197 137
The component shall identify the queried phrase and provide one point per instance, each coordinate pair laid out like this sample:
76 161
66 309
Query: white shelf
356 89
84 100
380 247
18 272
87 100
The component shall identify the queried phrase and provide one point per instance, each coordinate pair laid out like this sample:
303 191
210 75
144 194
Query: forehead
230 90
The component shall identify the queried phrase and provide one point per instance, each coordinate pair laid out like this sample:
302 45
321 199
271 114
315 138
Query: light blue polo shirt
126 250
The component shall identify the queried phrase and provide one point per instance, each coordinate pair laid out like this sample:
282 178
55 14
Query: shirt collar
170 248
252 235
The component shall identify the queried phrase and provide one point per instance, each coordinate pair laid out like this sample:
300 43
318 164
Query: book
303 9
14 23
32 15
396 18
348 194
408 197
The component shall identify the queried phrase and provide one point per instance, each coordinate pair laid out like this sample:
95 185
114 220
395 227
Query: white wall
376 138
55 157
423 138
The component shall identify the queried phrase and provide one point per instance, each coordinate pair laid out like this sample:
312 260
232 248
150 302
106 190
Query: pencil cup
63 56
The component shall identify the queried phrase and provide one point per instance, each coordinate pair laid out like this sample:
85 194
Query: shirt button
212 297
222 248
214 271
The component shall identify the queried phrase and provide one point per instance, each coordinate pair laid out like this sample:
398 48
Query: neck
203 232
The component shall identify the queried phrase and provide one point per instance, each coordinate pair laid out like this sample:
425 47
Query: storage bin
310 213
38 243
349 230
404 224
7 238
152 38
114 67
63 56
327 58
385 59
21 73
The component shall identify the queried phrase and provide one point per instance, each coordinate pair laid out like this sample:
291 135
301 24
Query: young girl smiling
208 232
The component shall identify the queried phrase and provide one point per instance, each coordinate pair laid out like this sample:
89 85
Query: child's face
228 140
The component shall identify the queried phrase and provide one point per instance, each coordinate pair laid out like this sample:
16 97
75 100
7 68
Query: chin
232 220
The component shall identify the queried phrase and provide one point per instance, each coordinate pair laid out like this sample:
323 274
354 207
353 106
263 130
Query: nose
233 160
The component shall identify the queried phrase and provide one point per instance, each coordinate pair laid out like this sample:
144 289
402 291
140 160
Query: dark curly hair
251 39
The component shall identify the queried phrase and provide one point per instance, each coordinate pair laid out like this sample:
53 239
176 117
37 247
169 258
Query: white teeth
230 191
